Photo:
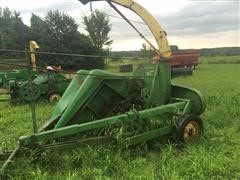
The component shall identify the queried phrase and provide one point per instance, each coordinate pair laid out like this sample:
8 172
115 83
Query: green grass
216 156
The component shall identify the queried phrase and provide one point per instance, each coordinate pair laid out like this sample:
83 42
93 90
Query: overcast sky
189 24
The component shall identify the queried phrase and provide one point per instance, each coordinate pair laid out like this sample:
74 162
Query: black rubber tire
195 132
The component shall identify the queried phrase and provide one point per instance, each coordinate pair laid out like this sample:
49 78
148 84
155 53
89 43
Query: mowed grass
215 156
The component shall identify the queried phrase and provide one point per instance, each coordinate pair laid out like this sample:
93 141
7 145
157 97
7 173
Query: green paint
79 128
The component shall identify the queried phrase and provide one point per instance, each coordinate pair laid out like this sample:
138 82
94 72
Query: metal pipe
32 103
9 160
131 24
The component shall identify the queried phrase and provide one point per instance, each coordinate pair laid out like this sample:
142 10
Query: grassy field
113 65
215 156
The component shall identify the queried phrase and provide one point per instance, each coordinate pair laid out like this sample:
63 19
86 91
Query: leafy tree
59 33
38 28
14 34
98 27
222 51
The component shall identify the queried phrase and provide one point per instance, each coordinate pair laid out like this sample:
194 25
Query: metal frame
181 105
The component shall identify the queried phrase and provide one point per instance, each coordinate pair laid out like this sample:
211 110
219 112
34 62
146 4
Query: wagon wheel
54 97
189 129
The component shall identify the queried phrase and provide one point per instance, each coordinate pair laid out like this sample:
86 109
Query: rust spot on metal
79 80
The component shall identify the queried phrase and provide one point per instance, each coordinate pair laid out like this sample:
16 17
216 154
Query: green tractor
48 86
45 84
15 74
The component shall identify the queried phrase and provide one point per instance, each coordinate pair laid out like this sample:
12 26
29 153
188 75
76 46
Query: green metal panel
157 83
70 92
19 75
97 90
196 98
148 135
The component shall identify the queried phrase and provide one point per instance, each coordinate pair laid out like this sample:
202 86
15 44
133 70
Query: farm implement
127 110
183 62
46 84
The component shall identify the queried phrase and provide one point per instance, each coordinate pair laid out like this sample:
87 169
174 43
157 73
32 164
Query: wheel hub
191 131
54 98
29 94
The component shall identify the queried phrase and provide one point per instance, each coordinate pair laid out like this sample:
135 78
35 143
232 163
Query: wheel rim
25 92
54 98
191 131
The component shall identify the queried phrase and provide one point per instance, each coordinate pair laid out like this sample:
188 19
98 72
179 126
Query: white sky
163 10
164 6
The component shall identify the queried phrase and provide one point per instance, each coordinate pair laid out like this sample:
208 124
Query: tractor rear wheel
189 129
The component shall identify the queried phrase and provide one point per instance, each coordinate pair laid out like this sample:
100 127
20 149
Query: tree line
204 52
222 51
57 32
